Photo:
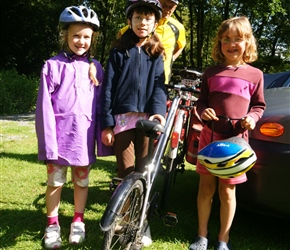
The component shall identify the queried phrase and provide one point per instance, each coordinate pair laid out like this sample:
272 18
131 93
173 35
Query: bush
18 93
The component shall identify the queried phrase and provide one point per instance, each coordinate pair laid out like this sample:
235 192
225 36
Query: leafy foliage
31 37
30 28
17 92
270 21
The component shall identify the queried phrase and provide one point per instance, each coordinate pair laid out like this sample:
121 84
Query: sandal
200 243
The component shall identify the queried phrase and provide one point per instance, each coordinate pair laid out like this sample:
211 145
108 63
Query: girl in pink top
233 89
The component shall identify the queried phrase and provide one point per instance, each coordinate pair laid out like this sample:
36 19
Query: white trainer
51 237
146 238
77 233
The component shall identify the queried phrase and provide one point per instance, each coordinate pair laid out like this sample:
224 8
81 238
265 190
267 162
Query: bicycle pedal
181 169
161 170
115 183
170 219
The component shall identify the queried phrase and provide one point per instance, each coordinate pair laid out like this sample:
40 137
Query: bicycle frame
115 208
150 169
174 156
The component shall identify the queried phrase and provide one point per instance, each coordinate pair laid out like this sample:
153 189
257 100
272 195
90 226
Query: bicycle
134 201
177 148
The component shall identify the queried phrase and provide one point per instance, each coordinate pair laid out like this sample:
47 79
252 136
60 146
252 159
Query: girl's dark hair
153 45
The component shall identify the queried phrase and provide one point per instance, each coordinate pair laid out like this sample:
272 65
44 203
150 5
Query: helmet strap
152 32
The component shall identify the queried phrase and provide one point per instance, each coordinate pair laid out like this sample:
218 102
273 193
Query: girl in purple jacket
66 117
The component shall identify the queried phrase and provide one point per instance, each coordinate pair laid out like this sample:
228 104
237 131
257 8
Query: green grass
22 204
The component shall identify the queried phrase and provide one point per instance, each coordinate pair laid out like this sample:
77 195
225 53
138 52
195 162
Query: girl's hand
160 118
108 137
208 115
248 123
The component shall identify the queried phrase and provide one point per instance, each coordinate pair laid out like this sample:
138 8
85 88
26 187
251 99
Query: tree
270 21
29 30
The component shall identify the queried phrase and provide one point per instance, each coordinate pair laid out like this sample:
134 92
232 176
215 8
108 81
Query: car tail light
174 139
272 129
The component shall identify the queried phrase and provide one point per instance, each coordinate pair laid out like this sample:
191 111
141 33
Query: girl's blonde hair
63 36
244 29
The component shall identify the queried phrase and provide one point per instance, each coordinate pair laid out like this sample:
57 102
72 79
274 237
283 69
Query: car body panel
275 80
277 110
267 190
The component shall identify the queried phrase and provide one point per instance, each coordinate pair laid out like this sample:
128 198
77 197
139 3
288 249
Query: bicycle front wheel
123 232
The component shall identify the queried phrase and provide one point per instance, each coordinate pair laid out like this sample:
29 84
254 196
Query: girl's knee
80 176
56 175
207 185
227 192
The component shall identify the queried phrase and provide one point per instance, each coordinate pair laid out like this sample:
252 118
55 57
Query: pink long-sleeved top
234 92
67 110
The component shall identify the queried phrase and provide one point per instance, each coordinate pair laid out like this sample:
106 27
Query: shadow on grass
102 163
248 228
250 231
20 157
20 225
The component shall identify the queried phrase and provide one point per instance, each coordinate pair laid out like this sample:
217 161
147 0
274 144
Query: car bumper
268 186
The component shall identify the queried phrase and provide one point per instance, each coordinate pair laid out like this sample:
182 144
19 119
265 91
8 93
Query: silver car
267 190
277 80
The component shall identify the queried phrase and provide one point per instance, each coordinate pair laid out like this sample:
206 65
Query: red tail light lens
174 139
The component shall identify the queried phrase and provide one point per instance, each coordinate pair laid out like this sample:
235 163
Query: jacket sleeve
258 104
108 92
100 77
158 104
202 102
45 119
102 150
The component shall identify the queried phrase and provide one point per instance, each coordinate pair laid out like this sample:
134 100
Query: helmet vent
85 12
77 12
222 164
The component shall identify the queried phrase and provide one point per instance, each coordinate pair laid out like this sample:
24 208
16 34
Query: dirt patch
21 117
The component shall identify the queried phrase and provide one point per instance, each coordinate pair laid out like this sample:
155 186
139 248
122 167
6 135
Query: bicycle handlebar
181 88
228 119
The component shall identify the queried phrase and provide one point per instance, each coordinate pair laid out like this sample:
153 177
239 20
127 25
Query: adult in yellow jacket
171 33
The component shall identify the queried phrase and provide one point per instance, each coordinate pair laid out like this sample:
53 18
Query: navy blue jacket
133 82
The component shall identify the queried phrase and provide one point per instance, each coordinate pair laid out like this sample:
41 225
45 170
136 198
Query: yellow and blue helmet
227 158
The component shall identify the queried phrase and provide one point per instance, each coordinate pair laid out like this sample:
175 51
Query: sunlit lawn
22 204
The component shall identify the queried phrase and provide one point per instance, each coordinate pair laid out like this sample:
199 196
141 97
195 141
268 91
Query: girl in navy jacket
133 87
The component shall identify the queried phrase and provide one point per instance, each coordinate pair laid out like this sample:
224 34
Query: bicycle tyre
123 232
